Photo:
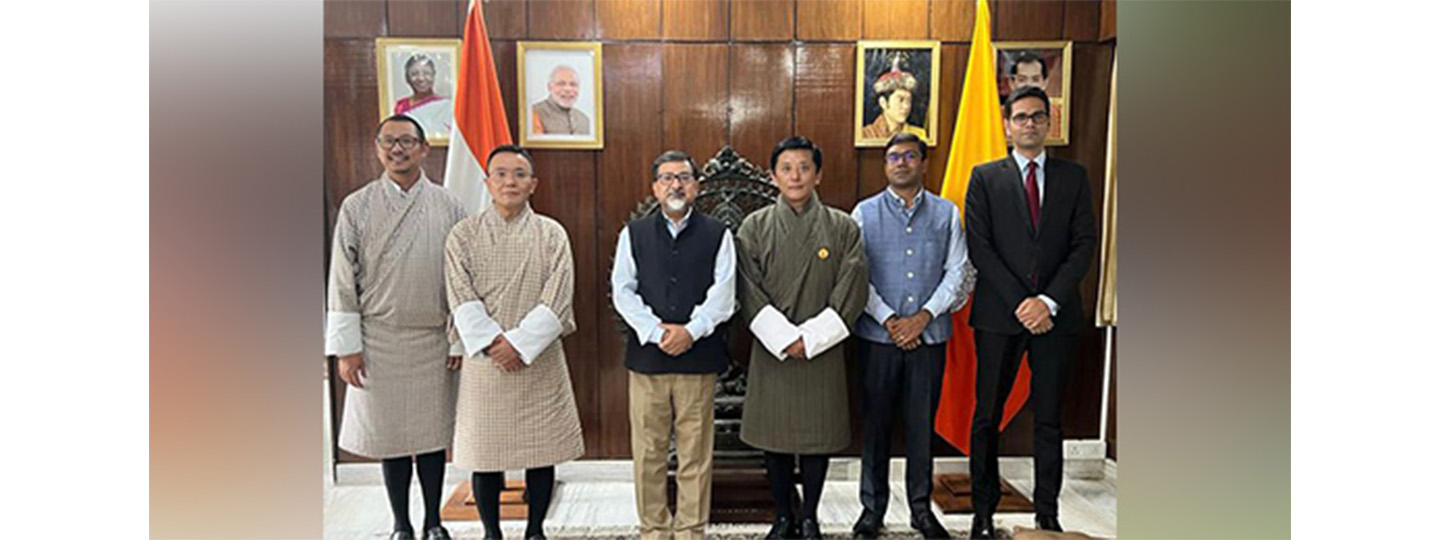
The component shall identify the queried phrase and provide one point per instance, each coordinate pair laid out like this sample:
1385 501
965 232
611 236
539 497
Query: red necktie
1032 196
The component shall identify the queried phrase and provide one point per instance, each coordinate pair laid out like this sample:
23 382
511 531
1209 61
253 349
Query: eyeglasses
897 157
406 142
668 178
1039 118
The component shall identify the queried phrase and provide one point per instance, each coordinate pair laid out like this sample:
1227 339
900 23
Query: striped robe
514 278
387 301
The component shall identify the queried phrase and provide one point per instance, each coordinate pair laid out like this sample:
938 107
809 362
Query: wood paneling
895 19
827 20
561 19
1107 19
1082 20
504 19
628 19
351 114
504 54
697 98
694 20
1029 20
762 97
424 18
762 20
953 59
354 19
567 193
824 112
952 20
630 99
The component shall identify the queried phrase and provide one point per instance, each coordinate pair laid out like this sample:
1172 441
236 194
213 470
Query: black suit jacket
1012 260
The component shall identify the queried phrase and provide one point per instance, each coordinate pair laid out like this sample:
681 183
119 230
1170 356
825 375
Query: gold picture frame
560 107
1056 67
885 69
395 58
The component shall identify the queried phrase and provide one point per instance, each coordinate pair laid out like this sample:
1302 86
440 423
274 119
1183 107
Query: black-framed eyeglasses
897 157
1039 118
668 178
406 142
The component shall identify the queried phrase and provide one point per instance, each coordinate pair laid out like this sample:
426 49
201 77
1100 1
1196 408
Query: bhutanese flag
979 138
480 123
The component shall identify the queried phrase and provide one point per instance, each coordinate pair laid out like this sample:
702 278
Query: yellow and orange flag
480 123
979 138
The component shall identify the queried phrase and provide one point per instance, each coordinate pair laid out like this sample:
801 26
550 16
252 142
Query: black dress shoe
1048 523
868 526
437 533
982 527
402 535
536 536
809 529
783 528
928 526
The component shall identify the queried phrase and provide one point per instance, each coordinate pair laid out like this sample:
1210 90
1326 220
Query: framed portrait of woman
896 84
417 79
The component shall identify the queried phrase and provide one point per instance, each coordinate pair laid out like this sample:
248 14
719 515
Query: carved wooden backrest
730 188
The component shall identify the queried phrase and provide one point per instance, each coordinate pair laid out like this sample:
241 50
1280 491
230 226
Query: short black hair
513 149
1027 92
671 156
1027 57
796 143
905 137
420 131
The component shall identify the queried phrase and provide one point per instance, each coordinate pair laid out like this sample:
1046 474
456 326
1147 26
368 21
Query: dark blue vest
673 276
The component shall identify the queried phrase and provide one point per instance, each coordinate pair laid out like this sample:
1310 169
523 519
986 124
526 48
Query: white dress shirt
719 302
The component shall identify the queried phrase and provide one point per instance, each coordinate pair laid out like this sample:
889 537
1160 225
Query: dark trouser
910 381
997 361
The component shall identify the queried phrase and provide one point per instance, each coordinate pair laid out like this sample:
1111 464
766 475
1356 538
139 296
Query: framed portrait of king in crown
897 84
1043 64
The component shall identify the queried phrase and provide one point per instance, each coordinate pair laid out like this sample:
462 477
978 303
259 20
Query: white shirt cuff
654 337
477 330
774 331
1054 308
536 331
342 333
823 331
457 348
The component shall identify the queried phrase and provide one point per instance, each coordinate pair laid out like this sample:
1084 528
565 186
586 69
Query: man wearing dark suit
1030 231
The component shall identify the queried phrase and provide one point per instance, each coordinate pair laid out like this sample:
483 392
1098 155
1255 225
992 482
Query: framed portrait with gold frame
1045 64
897 84
416 78
561 94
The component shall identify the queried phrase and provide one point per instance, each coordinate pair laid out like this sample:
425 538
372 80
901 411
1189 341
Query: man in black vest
1031 234
674 284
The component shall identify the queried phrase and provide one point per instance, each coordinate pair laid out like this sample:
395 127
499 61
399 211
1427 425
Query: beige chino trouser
686 404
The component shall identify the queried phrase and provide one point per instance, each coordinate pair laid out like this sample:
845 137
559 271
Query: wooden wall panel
762 20
628 19
567 193
696 97
895 19
561 19
504 19
695 20
505 60
1082 20
424 18
1031 20
762 97
630 100
827 20
953 20
350 117
354 19
824 112
1107 19
953 59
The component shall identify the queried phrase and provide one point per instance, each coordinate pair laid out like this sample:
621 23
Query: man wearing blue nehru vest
917 254
674 284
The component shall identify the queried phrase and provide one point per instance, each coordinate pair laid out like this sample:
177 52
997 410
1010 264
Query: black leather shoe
982 527
536 536
1048 523
783 528
402 535
928 526
868 526
437 533
809 529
